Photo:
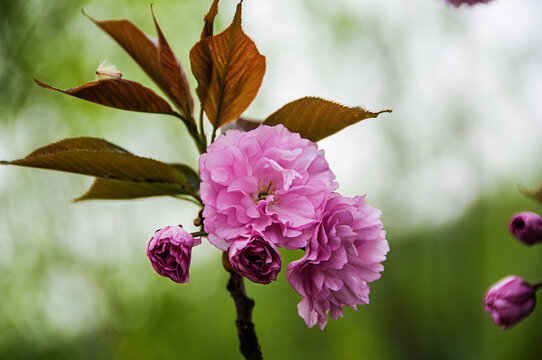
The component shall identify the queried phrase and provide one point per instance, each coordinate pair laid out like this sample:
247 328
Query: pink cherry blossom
268 180
344 254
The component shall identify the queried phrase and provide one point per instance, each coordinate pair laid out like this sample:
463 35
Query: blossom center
264 192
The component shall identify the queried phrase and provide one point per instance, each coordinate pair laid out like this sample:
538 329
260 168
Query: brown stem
250 348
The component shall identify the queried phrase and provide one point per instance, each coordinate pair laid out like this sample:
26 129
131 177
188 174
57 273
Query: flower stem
250 348
213 136
537 285
193 131
202 128
199 233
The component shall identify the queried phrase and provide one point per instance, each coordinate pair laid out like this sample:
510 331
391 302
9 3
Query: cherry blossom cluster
270 188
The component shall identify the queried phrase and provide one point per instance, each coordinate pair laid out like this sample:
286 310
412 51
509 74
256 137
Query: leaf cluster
229 71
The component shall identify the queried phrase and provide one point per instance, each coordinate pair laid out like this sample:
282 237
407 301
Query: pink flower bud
526 227
255 258
509 301
170 250
458 3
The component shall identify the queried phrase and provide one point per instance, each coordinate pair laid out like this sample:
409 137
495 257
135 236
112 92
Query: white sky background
465 86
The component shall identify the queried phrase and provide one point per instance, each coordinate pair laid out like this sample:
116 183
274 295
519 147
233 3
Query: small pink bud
509 301
255 258
527 227
170 251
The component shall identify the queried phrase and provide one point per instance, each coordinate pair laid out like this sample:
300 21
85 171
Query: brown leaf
100 158
537 195
141 47
109 189
145 51
209 20
315 118
229 70
174 74
242 124
189 174
91 143
120 94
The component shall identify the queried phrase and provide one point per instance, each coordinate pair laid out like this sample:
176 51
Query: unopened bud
509 301
527 227
170 251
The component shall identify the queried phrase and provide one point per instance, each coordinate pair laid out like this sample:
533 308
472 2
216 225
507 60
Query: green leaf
314 118
109 189
100 158
120 94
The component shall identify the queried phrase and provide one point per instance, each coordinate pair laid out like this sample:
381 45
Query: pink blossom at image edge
458 3
509 301
526 227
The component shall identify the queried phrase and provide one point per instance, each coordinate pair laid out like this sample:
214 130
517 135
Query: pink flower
344 254
170 250
458 3
509 301
527 227
256 258
268 180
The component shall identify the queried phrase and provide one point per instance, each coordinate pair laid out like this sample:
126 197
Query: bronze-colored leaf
209 20
537 195
119 94
242 124
229 70
174 75
110 189
189 174
315 118
141 47
90 143
100 158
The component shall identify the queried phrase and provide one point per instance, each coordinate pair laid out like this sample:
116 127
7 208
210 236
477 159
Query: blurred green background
445 167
